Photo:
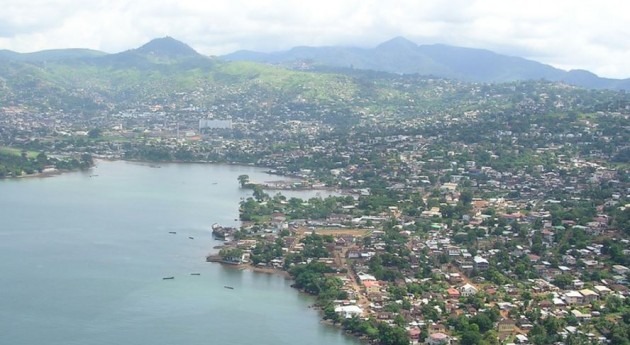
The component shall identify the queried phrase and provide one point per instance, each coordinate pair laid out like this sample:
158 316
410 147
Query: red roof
452 292
371 283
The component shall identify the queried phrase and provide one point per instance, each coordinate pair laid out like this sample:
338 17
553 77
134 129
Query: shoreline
44 174
251 268
266 270
284 274
156 164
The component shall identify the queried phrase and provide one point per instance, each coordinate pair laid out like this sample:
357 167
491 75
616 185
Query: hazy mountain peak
397 43
167 46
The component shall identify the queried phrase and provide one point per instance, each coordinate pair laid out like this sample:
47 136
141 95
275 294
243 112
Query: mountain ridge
51 54
402 56
397 55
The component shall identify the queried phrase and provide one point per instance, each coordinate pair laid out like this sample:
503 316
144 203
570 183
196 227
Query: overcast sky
569 34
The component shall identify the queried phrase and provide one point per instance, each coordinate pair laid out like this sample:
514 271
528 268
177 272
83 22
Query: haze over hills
398 55
51 55
402 56
162 71
167 71
166 50
159 51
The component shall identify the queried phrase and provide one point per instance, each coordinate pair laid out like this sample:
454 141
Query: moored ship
222 232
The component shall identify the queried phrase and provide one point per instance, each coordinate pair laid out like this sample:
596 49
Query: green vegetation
530 176
231 254
312 279
15 163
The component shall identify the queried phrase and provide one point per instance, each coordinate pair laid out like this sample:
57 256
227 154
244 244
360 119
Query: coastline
155 164
266 270
284 274
242 267
248 267
43 174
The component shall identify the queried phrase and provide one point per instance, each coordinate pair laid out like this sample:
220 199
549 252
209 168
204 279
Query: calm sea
82 257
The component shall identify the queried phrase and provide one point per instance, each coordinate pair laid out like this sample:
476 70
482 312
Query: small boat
167 278
172 232
195 274
228 287
190 237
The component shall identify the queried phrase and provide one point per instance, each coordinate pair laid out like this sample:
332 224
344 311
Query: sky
568 34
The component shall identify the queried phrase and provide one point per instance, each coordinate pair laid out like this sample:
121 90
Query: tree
563 280
243 180
466 197
231 254
614 303
330 314
483 321
491 337
42 158
389 335
259 194
95 133
471 337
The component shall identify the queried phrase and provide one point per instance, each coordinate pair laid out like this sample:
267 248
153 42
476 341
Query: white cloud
585 34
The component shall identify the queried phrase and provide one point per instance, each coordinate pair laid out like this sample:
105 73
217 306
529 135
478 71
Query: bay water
83 256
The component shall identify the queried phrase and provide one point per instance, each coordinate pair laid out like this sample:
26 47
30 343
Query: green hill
169 73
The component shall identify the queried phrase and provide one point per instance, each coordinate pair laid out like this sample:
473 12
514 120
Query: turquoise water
82 259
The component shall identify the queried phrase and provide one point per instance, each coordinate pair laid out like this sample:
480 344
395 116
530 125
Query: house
365 277
372 286
581 316
547 235
453 293
521 339
545 304
602 290
480 263
349 311
506 327
438 339
452 251
467 290
558 302
437 328
620 270
414 334
455 278
589 295
533 258
278 217
573 297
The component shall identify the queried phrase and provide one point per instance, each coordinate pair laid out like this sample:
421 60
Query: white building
349 311
468 290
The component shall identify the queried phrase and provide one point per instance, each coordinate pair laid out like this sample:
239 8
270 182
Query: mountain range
159 51
399 56
403 56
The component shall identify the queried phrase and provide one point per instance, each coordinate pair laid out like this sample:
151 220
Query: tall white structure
214 124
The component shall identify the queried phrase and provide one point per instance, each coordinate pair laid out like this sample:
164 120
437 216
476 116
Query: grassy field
337 231
16 151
